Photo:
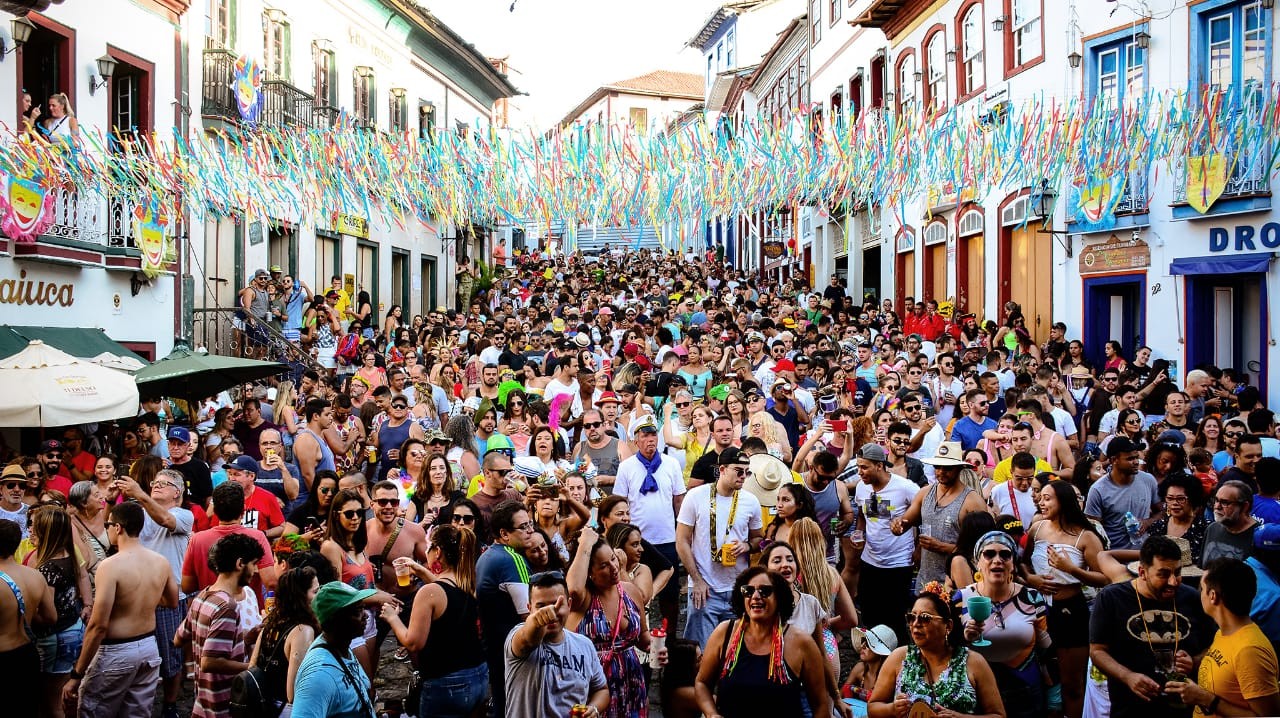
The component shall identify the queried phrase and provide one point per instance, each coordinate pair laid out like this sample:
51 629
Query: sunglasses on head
764 591
350 514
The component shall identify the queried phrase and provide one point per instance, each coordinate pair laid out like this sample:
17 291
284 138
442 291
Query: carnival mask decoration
246 85
26 210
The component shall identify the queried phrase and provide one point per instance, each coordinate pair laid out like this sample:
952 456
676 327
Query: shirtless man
1046 444
410 541
18 657
119 663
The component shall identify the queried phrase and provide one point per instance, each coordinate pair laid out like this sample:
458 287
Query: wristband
1212 708
75 675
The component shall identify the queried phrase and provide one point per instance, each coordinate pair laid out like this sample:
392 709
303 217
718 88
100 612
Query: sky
561 50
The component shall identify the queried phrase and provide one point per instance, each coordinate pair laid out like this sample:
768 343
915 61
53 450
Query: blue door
1114 308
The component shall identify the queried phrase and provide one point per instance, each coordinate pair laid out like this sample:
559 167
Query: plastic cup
727 555
404 574
858 538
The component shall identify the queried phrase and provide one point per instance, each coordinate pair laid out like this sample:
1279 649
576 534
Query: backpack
348 349
258 691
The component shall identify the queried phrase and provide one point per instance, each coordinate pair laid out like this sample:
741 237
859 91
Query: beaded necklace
733 511
777 671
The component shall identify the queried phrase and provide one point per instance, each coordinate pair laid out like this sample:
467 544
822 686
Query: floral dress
628 696
951 690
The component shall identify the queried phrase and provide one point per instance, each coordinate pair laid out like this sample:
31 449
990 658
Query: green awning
81 343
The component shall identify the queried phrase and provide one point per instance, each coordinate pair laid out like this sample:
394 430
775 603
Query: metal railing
1136 195
217 95
325 117
214 329
120 223
1247 176
76 216
286 106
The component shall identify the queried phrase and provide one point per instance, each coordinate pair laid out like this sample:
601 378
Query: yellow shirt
1004 470
1239 667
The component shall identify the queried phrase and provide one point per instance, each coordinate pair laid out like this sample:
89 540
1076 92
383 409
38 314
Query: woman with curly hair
516 423
287 632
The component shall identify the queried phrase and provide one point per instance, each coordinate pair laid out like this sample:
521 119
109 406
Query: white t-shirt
170 544
555 388
491 354
938 387
696 512
1003 504
928 447
1107 425
653 512
1063 421
883 549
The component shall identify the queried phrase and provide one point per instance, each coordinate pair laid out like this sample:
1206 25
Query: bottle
1133 527
657 641
268 602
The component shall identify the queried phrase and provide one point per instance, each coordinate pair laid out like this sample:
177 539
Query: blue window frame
1231 48
1115 67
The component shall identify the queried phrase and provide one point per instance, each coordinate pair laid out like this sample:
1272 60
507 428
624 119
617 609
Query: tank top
259 306
390 437
605 458
944 525
747 690
327 462
1040 559
454 641
826 504
357 575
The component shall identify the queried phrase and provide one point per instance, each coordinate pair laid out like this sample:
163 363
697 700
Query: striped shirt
213 626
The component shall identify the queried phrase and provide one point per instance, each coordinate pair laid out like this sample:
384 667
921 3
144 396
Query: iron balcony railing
286 106
214 330
283 105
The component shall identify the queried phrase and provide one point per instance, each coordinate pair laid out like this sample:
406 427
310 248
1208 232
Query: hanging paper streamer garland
602 175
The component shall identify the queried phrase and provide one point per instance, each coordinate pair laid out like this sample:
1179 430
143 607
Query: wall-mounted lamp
1268 4
998 23
20 30
106 68
322 45
919 74
364 71
888 96
1074 59
398 92
1142 39
951 55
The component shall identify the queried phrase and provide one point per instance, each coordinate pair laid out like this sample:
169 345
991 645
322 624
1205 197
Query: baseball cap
435 436
608 312
275 269
784 365
243 462
873 452
880 639
179 433
1267 537
260 273
733 456
335 596
49 445
680 351
1171 436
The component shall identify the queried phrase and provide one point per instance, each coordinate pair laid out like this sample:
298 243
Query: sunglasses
914 618
899 441
387 502
34 474
596 424
748 591
1003 554
683 404
109 524
913 407
418 454
351 514
11 485
328 491
1232 434
463 519
399 406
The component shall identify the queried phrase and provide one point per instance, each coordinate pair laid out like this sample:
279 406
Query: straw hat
1189 569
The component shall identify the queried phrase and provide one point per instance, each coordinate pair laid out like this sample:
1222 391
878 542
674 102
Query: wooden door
905 277
969 280
1031 279
937 281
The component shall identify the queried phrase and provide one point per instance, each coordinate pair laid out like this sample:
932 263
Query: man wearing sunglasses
879 498
390 537
13 486
719 526
502 590
604 451
969 429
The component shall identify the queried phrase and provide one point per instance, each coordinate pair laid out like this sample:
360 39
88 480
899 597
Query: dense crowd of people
640 479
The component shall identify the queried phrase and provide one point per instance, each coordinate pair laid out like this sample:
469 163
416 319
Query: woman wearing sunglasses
1017 629
311 518
952 680
762 666
344 547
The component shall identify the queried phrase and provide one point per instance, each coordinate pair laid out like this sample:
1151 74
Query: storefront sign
773 249
1245 238
30 292
1115 255
353 225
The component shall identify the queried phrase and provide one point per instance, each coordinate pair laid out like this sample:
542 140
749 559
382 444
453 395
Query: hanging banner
246 84
1095 204
1206 181
148 233
26 210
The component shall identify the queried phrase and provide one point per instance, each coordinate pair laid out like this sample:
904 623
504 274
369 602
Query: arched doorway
1026 265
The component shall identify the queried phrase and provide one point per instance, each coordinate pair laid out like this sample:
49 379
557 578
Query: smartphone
840 425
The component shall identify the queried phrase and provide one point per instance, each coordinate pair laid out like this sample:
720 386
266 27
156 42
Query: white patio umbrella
47 387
